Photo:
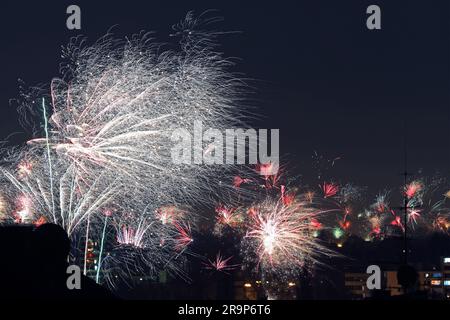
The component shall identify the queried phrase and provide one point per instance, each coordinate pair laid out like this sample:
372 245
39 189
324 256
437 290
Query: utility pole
405 198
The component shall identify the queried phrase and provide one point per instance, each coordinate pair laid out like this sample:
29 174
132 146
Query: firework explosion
101 167
117 104
143 244
427 211
282 235
105 149
59 197
220 264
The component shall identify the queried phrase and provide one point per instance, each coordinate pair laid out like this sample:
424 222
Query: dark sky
321 77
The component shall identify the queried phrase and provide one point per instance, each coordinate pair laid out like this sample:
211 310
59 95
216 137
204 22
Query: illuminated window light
435 282
291 284
247 285
437 275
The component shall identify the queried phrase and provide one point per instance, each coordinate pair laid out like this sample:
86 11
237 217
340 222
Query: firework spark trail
102 244
220 264
413 215
228 216
184 236
144 245
72 203
86 246
49 159
329 189
282 237
413 189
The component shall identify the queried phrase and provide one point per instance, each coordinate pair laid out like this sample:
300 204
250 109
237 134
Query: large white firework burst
106 143
57 195
117 104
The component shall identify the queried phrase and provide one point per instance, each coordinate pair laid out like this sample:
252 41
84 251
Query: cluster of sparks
425 210
280 230
102 169
106 140
221 264
282 234
277 228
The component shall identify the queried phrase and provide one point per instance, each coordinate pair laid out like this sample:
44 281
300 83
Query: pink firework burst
413 188
287 197
183 237
413 215
270 172
329 189
316 224
397 221
220 264
227 216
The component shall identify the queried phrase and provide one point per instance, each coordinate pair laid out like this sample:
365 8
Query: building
446 277
438 281
395 288
432 281
355 284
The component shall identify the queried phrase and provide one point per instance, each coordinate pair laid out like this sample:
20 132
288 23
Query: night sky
318 74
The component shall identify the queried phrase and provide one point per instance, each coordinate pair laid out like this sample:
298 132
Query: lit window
435 282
